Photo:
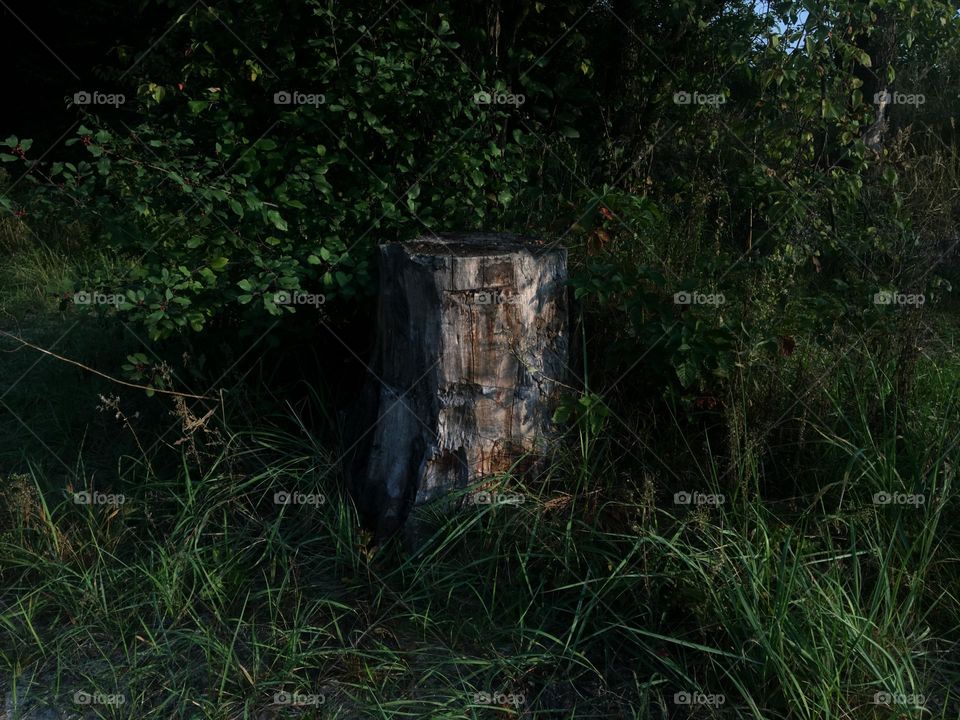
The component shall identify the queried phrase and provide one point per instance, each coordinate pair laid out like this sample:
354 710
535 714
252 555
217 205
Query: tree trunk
472 340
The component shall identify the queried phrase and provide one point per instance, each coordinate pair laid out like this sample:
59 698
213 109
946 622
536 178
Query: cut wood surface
472 340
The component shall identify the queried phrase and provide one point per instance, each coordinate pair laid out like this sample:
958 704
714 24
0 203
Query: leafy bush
273 157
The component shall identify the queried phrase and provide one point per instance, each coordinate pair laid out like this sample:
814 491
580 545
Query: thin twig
103 375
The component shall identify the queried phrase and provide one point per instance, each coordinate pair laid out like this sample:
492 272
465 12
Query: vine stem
103 375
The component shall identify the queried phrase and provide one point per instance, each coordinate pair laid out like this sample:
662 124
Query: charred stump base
472 339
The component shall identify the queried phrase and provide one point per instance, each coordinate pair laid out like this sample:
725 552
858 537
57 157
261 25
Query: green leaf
277 220
687 373
828 110
561 414
219 263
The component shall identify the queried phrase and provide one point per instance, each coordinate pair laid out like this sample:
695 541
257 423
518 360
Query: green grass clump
597 596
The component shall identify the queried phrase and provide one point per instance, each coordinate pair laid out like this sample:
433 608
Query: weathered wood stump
472 340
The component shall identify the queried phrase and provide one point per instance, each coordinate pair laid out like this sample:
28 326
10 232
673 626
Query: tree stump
472 340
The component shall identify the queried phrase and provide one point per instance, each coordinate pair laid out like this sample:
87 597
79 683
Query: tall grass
597 596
